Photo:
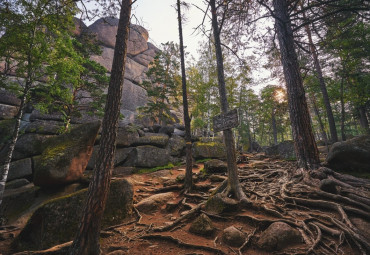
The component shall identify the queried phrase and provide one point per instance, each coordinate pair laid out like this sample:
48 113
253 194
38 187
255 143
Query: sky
159 17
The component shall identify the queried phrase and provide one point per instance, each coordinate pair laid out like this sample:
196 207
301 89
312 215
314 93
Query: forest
246 196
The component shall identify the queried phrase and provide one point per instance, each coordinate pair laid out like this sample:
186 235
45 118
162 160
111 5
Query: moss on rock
209 150
57 220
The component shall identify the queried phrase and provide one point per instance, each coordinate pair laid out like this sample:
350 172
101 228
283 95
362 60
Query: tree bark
233 185
329 111
343 112
304 141
274 128
363 119
188 183
322 129
87 238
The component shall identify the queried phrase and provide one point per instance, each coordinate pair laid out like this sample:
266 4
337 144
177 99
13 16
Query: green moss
56 151
203 160
151 170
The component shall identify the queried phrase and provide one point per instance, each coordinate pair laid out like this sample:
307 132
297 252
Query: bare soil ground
329 223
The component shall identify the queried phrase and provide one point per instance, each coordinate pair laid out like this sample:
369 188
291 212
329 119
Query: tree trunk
188 183
233 186
304 141
329 111
274 128
87 238
322 128
363 119
343 112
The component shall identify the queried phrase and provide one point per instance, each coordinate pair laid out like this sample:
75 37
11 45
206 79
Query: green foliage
163 85
155 169
52 67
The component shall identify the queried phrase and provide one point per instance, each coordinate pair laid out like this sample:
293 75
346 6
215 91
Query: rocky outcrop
208 150
215 166
351 155
283 150
65 157
57 221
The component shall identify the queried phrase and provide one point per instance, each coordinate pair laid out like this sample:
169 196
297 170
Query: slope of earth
334 221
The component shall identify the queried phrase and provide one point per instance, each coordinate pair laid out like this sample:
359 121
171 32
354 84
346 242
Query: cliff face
139 55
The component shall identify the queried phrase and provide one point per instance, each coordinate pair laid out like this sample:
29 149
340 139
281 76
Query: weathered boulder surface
151 156
19 169
233 236
126 136
209 150
16 201
120 156
146 57
351 155
218 204
176 145
278 236
284 150
9 98
134 71
133 96
65 157
46 127
154 139
153 203
105 30
17 183
57 221
202 226
215 166
6 131
8 111
29 145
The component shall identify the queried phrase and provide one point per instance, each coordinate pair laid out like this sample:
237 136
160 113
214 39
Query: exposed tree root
182 244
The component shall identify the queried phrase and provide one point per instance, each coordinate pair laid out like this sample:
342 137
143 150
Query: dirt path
329 223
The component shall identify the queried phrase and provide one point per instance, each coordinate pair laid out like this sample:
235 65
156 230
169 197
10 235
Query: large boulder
126 136
146 57
283 150
150 156
202 226
154 139
105 58
9 98
105 30
176 145
120 156
8 111
16 201
6 131
134 71
209 150
153 203
351 155
278 236
29 145
65 157
215 166
46 127
132 96
79 26
20 168
233 236
57 221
